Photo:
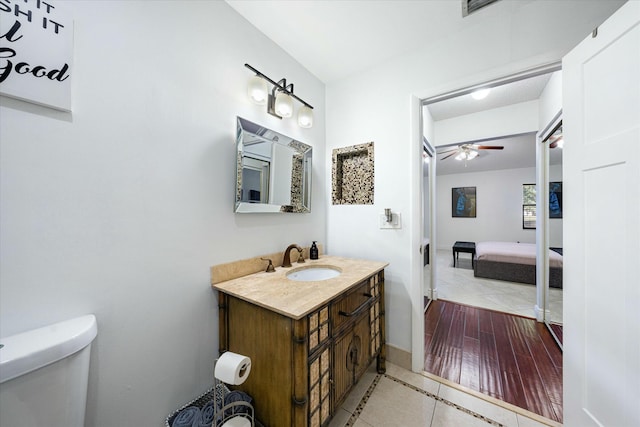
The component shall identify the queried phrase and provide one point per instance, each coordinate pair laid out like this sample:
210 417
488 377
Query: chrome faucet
286 261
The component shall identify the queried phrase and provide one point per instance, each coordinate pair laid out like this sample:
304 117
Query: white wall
512 119
376 106
550 100
498 207
121 207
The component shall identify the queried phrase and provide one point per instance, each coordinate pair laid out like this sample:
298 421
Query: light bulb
283 105
305 117
472 154
480 94
257 90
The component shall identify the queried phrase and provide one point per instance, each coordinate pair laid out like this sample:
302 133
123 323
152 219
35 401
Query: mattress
516 253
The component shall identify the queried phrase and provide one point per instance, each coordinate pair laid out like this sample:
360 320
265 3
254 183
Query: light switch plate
396 221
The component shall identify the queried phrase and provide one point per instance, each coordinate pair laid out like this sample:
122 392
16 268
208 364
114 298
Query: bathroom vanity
309 341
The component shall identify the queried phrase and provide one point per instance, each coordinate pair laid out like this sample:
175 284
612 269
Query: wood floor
557 329
512 358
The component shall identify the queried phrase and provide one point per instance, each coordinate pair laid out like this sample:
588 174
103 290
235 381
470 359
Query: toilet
44 374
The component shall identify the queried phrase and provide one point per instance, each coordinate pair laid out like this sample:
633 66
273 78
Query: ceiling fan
468 151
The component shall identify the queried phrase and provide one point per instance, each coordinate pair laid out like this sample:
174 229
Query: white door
601 97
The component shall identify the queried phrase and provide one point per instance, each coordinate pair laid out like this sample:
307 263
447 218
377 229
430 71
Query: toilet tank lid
28 351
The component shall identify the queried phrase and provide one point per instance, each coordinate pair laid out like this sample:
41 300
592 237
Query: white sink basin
313 273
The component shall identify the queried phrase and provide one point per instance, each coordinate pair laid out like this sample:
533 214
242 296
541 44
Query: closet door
601 96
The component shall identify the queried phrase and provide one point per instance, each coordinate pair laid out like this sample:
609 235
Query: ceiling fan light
461 156
560 142
472 154
480 93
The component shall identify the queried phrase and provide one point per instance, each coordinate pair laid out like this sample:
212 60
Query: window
528 206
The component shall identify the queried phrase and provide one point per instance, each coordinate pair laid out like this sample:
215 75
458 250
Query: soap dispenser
313 252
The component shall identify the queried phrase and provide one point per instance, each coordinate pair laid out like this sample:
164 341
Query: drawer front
351 305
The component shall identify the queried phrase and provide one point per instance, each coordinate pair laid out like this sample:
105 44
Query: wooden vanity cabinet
302 369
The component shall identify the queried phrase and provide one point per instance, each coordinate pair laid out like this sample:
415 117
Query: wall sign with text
36 52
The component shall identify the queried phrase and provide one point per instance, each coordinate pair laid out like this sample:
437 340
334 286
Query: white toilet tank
44 374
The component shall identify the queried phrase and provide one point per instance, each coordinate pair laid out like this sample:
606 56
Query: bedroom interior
505 172
501 177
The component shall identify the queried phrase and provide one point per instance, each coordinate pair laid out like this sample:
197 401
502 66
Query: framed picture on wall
555 200
463 202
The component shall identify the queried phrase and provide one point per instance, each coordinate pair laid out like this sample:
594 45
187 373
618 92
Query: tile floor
403 398
459 285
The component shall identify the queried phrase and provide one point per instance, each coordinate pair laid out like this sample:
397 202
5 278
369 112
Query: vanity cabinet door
361 357
351 357
342 368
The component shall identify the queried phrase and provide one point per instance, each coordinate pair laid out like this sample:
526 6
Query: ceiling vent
470 6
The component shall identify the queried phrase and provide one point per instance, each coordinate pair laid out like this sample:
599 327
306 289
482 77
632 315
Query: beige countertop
294 299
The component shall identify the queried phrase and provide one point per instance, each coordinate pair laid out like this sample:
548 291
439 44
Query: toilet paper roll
232 368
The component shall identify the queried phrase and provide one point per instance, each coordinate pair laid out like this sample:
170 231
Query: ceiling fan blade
489 147
446 157
448 151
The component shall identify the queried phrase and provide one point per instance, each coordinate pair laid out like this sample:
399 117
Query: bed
515 262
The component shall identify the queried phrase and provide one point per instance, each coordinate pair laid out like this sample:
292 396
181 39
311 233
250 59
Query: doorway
502 133
445 271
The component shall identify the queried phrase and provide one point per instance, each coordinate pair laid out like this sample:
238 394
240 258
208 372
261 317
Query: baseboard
541 314
399 357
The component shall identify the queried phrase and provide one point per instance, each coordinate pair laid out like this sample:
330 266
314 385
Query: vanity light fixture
280 100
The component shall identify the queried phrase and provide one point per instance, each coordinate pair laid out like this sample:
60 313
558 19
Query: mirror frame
298 171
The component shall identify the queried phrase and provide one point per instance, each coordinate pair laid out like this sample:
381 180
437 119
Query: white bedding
516 253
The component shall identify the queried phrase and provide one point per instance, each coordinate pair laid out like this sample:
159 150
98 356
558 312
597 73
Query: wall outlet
396 221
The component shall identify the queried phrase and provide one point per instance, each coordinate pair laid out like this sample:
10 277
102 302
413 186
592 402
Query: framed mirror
273 171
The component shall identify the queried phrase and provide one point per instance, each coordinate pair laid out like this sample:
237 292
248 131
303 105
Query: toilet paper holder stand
234 414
